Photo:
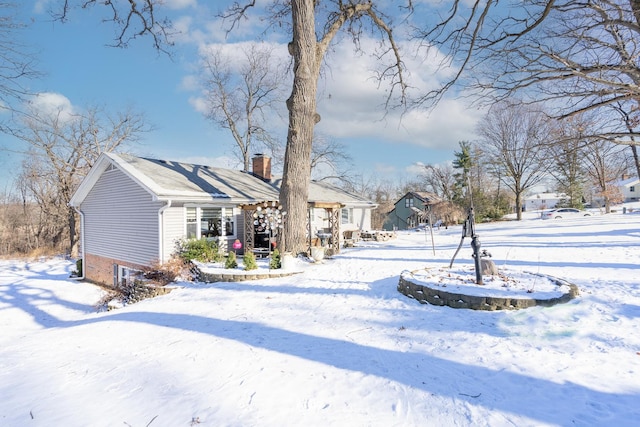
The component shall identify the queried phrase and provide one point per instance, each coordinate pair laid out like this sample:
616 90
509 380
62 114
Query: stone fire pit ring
509 290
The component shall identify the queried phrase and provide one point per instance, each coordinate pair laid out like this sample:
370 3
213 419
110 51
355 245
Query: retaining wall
425 294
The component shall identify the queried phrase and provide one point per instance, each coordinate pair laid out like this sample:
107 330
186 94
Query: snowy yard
336 345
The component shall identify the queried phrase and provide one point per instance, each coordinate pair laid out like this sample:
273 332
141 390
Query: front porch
261 227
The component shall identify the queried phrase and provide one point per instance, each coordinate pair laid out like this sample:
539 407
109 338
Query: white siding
174 226
362 219
121 220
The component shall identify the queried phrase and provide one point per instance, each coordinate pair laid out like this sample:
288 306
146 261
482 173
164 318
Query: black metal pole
475 245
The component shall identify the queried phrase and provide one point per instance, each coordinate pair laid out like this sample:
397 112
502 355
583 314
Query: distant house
541 201
630 188
410 211
133 210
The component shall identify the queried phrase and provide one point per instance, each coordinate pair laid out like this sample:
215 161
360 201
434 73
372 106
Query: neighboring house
541 201
630 188
410 211
133 210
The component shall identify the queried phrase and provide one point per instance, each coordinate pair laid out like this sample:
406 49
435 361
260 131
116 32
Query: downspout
161 231
81 277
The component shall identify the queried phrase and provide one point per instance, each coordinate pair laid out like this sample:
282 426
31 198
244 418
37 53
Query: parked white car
563 213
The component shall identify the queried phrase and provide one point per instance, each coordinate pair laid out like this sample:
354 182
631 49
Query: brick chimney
262 167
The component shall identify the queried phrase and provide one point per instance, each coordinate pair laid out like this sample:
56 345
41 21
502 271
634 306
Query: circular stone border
425 294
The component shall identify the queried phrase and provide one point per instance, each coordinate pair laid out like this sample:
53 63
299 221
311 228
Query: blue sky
82 71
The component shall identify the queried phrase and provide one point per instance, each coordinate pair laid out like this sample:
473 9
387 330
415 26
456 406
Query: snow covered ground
336 345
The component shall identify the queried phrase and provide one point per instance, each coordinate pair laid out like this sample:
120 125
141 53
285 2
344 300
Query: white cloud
40 6
234 53
182 30
190 83
51 103
180 4
234 58
199 104
351 104
415 169
201 25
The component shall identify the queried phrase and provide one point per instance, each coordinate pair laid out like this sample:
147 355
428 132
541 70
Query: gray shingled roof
175 179
183 181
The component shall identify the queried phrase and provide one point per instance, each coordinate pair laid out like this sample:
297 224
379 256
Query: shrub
202 250
129 293
78 271
232 261
163 274
275 260
249 261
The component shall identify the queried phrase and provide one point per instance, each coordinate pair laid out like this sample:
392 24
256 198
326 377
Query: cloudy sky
81 71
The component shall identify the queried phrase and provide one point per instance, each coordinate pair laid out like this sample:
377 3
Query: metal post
475 245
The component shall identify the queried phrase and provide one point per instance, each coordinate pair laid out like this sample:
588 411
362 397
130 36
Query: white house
133 210
630 188
541 201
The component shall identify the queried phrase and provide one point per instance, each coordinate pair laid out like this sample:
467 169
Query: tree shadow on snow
492 389
477 385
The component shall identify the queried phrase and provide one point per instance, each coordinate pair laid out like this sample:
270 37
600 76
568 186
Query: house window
632 189
209 222
408 202
192 223
347 215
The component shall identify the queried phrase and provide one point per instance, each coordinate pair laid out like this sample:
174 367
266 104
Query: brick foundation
99 269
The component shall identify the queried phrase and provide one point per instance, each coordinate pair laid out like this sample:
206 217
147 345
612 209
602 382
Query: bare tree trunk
73 238
518 194
294 193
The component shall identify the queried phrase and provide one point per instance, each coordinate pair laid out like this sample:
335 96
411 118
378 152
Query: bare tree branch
578 57
512 138
131 18
17 65
62 148
244 100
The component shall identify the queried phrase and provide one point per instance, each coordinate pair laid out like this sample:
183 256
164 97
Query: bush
202 250
232 261
249 261
163 274
275 262
78 271
129 293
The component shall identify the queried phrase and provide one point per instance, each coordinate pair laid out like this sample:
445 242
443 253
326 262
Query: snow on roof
546 196
627 182
170 179
166 179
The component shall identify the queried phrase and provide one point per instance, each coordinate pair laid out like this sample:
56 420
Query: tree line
521 148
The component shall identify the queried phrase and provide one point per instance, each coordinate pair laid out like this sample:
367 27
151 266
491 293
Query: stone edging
425 294
240 277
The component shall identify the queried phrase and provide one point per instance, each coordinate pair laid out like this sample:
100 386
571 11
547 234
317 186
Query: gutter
161 231
81 277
